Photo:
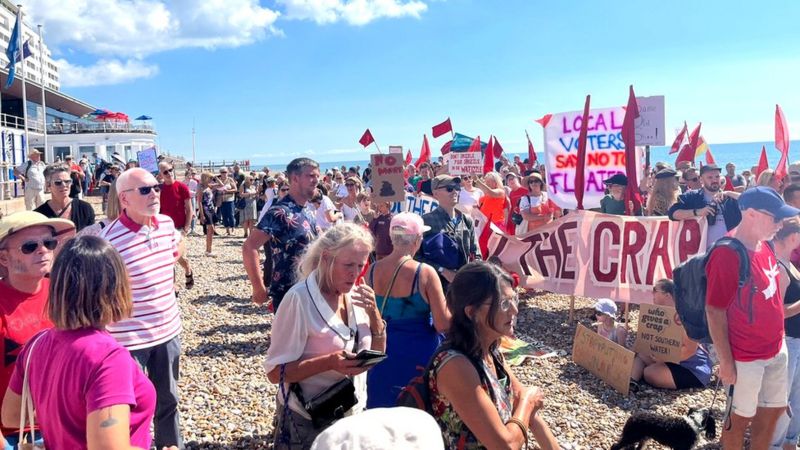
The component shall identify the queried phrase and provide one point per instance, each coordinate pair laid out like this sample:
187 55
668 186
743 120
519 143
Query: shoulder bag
27 414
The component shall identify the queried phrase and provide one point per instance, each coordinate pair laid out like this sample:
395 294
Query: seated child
607 325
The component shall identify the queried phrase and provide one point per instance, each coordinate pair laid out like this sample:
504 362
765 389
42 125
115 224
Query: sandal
190 280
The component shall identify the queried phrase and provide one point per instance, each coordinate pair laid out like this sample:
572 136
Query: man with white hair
148 243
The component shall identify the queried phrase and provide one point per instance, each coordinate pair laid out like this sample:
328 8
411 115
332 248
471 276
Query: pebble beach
228 403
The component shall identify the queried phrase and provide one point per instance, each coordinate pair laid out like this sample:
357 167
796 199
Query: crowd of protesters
356 279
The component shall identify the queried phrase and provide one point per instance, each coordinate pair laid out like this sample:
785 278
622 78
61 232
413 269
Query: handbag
27 415
329 405
516 218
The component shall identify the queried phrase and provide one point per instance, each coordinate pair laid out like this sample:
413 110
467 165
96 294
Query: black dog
679 433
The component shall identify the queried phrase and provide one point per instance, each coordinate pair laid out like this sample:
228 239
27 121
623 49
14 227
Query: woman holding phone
323 322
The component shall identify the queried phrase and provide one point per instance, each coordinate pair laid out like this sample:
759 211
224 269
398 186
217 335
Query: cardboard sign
599 255
605 154
651 122
396 149
148 160
608 360
465 163
660 334
387 177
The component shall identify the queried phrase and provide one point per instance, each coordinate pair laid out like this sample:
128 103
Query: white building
8 16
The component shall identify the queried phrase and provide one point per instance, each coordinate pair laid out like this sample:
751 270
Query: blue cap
766 199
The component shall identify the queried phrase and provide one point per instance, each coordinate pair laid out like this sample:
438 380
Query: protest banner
387 177
148 159
659 334
465 163
606 359
650 125
605 154
417 204
599 255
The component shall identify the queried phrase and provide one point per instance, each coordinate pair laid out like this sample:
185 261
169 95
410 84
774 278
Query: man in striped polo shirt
148 244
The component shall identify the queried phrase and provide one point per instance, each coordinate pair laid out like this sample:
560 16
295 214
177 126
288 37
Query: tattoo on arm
110 422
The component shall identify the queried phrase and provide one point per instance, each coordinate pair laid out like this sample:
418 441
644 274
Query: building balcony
99 127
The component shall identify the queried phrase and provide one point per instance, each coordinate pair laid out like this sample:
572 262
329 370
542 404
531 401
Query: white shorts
761 383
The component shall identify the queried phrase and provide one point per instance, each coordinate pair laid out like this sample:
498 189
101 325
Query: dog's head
703 420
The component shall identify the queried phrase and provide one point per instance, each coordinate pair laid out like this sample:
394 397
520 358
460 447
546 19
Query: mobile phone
369 357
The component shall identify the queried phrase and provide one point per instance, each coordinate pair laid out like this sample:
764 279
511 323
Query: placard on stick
659 335
465 163
606 359
387 177
148 160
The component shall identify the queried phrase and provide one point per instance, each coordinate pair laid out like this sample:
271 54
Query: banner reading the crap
600 255
605 154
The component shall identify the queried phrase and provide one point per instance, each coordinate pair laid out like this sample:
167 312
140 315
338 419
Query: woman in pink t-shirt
87 391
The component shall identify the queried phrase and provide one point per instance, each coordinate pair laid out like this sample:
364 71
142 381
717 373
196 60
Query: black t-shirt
82 214
792 294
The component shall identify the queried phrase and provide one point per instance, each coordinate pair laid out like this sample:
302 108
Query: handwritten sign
148 160
660 334
417 204
651 122
605 154
465 163
606 359
387 177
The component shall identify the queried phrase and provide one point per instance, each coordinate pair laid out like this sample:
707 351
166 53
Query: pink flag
545 119
781 142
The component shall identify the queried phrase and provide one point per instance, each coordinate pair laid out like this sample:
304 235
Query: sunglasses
694 180
350 184
59 183
285 190
168 171
29 247
451 188
145 190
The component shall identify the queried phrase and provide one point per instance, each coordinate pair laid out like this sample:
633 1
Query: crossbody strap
391 283
27 408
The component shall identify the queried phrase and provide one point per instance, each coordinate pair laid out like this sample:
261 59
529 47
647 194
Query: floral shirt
455 433
291 228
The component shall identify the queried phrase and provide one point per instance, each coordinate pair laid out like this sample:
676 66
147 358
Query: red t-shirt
762 338
514 199
22 315
173 202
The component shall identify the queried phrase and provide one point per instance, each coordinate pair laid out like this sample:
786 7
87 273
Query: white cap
382 428
606 306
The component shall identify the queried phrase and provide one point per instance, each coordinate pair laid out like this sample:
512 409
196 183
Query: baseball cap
666 173
441 181
606 306
618 179
408 223
21 220
709 168
766 199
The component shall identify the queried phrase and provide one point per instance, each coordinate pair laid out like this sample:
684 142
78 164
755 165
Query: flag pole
41 72
376 146
24 92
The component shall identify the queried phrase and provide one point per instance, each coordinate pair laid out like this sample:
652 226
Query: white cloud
104 72
354 12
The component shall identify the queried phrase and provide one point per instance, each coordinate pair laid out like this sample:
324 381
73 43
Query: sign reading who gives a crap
605 154
387 177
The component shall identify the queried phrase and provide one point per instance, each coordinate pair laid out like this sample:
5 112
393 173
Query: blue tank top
412 306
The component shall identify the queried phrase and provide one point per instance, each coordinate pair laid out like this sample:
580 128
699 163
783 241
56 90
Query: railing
99 127
215 166
12 121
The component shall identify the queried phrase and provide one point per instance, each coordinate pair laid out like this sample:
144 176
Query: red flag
366 139
580 168
488 155
498 149
446 147
408 157
425 153
694 138
442 128
686 154
709 157
476 145
781 142
544 120
531 152
632 194
676 145
483 239
763 164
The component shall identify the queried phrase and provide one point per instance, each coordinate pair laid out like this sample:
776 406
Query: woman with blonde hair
323 321
663 194
87 391
494 202
767 178
350 202
112 212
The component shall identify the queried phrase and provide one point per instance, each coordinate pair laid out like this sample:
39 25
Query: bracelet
521 426
382 333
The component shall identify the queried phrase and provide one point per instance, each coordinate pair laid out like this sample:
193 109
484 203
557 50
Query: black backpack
690 288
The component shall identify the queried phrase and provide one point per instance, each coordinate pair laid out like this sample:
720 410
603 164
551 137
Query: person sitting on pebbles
694 370
607 325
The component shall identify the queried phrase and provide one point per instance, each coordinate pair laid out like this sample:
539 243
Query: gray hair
403 239
55 169
335 239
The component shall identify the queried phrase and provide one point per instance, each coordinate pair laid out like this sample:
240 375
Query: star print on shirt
772 288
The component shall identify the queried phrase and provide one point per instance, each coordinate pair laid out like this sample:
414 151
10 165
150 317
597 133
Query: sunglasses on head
59 183
145 190
29 247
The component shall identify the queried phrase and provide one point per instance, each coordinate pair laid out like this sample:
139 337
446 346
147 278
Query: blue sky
308 81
